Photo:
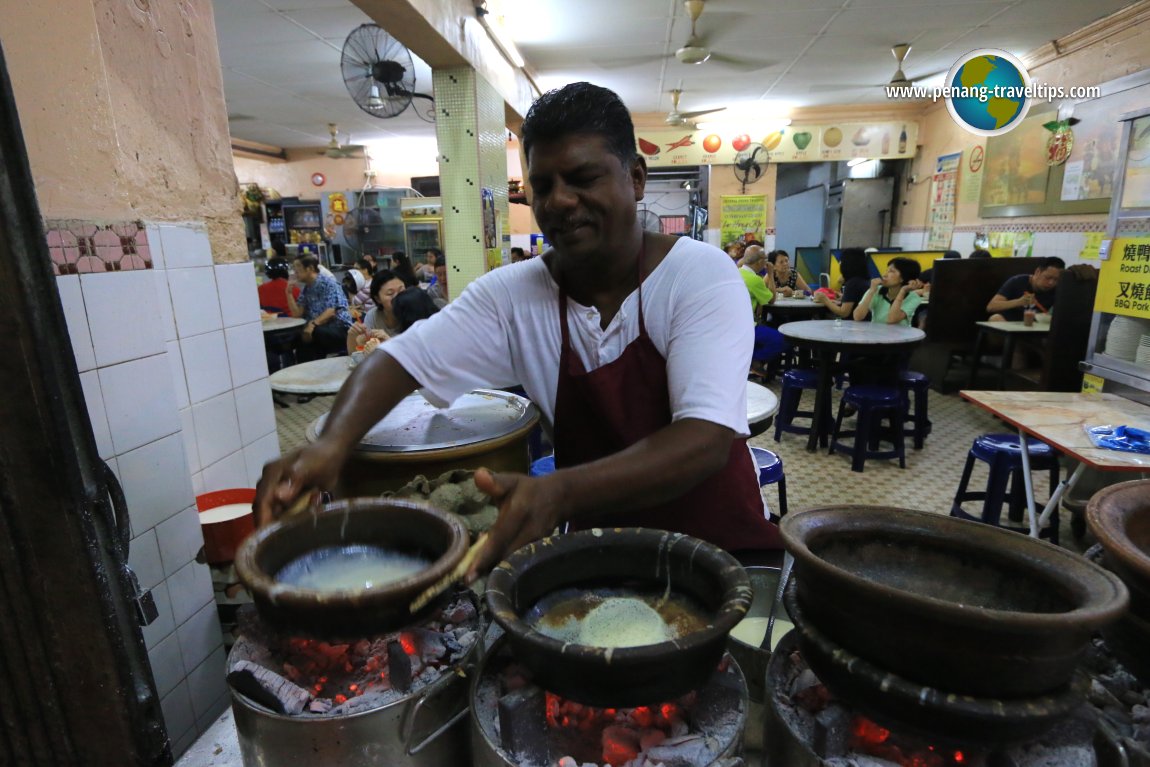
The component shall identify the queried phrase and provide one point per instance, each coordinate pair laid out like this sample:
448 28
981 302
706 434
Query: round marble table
829 337
276 324
323 376
795 308
762 404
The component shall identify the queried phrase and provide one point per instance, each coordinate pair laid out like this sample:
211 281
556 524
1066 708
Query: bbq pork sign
794 143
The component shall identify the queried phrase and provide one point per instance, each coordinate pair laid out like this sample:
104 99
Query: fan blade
684 116
739 62
630 61
840 87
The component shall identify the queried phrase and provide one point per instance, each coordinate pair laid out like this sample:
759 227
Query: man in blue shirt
323 304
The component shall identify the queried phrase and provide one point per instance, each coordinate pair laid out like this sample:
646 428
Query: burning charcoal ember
814 699
620 745
268 688
651 738
832 731
523 724
399 666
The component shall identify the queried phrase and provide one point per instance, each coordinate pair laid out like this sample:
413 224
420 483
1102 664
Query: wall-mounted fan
337 151
750 164
379 74
649 220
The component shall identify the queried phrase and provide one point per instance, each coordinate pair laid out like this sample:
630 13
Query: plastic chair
873 403
794 383
1003 455
771 472
919 385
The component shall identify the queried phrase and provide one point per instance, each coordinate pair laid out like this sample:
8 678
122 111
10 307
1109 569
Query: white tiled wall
1065 245
174 376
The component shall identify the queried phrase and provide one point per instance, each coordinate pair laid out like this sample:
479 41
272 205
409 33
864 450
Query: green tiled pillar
472 135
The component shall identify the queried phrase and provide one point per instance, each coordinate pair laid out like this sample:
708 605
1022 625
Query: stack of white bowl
1125 336
1142 358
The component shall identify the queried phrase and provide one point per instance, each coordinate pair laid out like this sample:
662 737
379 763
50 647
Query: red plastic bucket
222 538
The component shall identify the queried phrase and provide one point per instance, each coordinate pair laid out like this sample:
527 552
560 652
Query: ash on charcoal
686 732
311 677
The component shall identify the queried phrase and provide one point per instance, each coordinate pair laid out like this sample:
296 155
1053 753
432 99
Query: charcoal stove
829 708
517 723
396 699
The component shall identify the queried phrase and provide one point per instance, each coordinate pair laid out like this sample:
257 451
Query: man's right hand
305 470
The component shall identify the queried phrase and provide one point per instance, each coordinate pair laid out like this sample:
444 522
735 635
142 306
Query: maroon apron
611 408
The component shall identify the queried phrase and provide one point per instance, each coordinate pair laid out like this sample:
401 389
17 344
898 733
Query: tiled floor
818 479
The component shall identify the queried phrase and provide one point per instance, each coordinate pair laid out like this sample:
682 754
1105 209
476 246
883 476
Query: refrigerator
363 221
422 224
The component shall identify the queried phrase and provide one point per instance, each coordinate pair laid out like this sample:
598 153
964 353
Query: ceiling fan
695 50
683 119
897 80
338 151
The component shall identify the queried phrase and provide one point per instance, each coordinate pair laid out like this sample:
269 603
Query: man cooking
634 345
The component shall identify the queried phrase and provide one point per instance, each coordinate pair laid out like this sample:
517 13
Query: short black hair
907 267
363 263
277 268
308 261
581 108
773 256
1050 261
518 250
381 278
980 253
436 252
853 263
401 266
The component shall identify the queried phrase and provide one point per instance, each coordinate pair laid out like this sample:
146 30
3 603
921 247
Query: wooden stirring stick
456 574
301 504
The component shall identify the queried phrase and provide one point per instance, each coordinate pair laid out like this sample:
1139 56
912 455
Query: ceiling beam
446 33
253 150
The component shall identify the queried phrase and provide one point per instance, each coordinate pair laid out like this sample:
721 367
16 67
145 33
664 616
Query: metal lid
416 425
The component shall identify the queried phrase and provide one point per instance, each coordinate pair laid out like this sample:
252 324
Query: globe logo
988 92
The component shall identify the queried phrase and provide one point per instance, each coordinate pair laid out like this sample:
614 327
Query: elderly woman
787 279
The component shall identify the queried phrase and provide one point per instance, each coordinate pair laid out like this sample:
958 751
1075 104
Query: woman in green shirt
891 299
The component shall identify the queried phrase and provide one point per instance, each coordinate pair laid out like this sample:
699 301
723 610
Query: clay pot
621 557
399 525
1119 516
958 605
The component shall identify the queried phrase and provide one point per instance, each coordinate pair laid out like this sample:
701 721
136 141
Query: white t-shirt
504 329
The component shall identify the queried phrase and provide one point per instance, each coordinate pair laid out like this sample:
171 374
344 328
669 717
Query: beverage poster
943 197
744 217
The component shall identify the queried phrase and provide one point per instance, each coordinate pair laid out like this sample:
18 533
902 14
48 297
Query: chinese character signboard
1124 280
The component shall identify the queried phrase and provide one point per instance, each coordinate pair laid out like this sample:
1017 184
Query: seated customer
380 321
1023 291
788 280
324 306
769 343
890 299
272 293
853 265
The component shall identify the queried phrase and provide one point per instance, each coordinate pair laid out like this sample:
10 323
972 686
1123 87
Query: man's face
1044 280
303 274
584 196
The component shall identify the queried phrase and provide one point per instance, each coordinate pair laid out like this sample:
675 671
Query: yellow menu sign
1124 279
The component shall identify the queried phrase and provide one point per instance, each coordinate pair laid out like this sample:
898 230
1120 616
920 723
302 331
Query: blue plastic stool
771 471
918 384
1003 454
545 465
794 382
873 403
